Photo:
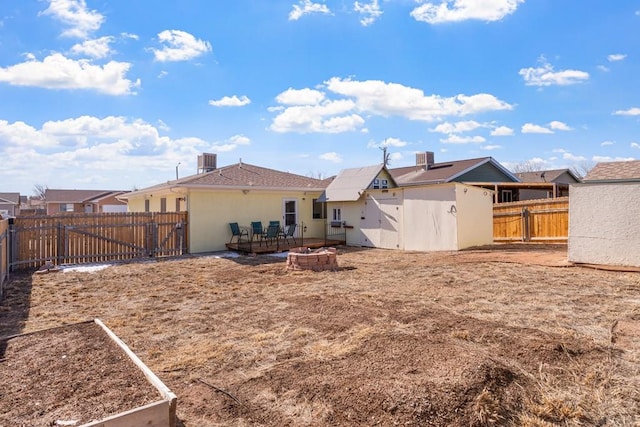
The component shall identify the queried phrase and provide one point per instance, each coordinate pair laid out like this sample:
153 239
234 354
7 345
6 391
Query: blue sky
115 94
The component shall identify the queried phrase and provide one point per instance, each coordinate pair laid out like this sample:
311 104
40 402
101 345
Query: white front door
290 211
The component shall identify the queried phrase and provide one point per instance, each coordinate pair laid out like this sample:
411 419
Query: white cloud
606 143
393 142
230 144
611 159
370 12
635 111
531 128
74 153
240 140
573 158
502 131
393 99
556 125
307 7
332 157
74 14
97 48
308 110
603 68
457 139
59 72
179 46
461 10
634 145
459 127
491 147
616 57
300 97
230 101
544 75
328 117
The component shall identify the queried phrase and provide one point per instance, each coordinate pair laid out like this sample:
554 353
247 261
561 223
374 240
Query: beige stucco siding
474 213
603 224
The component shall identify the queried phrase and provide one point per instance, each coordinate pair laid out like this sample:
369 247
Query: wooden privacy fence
545 221
4 254
88 238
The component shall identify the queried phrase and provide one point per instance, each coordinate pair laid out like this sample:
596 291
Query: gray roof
349 184
443 171
614 171
550 175
77 196
10 198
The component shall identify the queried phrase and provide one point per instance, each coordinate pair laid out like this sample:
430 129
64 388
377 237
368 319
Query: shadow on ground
14 308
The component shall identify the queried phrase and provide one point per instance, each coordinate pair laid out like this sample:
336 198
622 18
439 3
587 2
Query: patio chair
237 232
272 233
257 232
289 232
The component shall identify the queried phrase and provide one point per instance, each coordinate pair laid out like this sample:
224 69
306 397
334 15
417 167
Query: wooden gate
102 237
545 221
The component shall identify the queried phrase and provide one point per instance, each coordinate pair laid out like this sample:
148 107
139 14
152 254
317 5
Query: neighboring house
418 210
483 172
9 204
242 193
83 201
603 215
548 183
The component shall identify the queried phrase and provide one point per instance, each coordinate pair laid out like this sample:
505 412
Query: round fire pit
317 260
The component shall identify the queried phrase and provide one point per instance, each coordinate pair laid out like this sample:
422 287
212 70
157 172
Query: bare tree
527 166
582 169
39 191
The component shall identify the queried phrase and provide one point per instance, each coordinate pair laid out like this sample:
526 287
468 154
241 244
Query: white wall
604 224
430 222
475 216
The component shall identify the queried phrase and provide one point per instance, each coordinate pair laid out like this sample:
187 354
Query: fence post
526 229
60 244
13 245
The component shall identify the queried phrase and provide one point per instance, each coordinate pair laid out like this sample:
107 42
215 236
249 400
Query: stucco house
603 216
380 212
242 193
83 201
557 183
9 204
483 172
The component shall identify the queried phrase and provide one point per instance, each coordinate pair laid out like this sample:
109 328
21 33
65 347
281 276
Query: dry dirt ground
504 335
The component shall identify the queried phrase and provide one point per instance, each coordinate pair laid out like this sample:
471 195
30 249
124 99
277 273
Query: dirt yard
505 335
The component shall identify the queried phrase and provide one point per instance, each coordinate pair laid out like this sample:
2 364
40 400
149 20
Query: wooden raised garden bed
79 375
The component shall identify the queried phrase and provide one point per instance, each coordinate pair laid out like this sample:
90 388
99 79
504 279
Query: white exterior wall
604 224
430 218
475 216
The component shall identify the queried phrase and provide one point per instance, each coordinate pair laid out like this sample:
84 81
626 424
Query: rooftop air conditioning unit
207 162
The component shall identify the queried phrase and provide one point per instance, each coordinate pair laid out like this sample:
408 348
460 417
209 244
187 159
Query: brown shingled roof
615 171
247 175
